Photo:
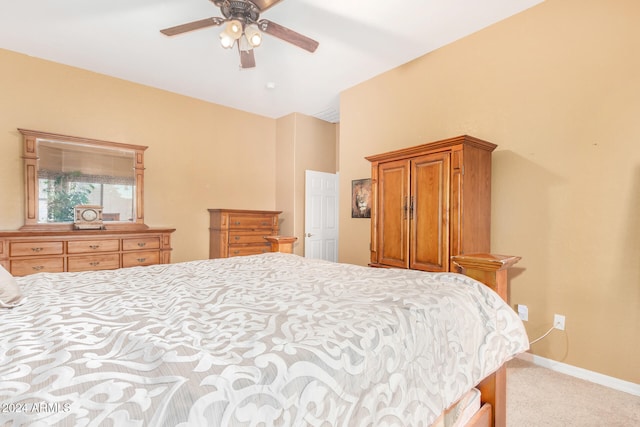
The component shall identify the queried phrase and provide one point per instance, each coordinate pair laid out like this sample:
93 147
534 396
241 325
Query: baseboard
574 371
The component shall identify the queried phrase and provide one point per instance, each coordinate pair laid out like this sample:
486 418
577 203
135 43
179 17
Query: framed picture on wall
361 198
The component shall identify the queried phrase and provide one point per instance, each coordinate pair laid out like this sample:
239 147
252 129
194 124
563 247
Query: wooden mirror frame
30 156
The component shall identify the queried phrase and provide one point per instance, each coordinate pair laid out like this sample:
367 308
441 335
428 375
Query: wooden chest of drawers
240 232
28 252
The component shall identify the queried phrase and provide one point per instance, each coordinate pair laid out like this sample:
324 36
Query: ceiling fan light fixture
234 29
226 40
244 44
254 36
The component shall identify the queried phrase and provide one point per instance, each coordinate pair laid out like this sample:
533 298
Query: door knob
309 234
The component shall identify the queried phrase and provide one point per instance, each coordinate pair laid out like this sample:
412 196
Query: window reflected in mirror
62 172
77 174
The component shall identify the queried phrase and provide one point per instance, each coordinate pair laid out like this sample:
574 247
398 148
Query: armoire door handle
411 207
404 208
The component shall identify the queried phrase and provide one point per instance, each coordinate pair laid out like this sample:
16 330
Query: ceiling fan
244 28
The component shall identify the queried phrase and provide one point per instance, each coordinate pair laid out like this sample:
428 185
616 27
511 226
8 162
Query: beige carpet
538 396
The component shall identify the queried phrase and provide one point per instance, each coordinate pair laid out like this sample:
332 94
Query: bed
269 340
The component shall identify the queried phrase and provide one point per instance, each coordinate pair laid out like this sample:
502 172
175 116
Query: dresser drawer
252 221
140 243
35 248
236 232
93 262
242 237
134 259
249 250
23 267
84 246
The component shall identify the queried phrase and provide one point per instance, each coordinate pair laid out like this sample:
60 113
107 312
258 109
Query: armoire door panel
429 227
393 192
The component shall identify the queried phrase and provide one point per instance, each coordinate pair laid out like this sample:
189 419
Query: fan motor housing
241 10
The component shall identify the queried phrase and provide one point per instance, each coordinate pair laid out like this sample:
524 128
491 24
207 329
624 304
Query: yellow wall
557 87
285 175
200 155
303 143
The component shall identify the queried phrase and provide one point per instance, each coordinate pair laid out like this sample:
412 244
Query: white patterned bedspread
271 339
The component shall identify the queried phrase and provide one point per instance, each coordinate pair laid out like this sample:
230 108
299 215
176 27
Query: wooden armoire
431 202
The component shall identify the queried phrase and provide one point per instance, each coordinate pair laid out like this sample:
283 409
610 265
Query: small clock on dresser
88 217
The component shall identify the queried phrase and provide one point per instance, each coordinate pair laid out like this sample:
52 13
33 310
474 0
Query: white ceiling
358 40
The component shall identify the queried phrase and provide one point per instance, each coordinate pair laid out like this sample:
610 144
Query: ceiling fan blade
288 35
247 60
264 4
195 25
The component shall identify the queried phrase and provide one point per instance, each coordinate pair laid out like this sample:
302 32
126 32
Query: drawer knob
236 252
265 223
38 267
237 237
142 259
236 223
94 263
36 249
142 244
94 246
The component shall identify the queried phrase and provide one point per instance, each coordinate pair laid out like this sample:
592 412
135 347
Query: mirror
64 171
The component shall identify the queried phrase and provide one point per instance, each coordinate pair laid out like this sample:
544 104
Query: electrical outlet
558 321
523 312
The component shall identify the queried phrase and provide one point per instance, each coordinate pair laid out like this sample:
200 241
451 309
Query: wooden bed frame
492 271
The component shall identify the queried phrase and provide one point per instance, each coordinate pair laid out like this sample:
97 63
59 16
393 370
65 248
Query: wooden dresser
28 252
431 202
235 232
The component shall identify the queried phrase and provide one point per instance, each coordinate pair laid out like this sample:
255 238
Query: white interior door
321 216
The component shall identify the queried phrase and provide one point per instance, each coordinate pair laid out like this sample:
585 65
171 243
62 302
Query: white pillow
10 294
